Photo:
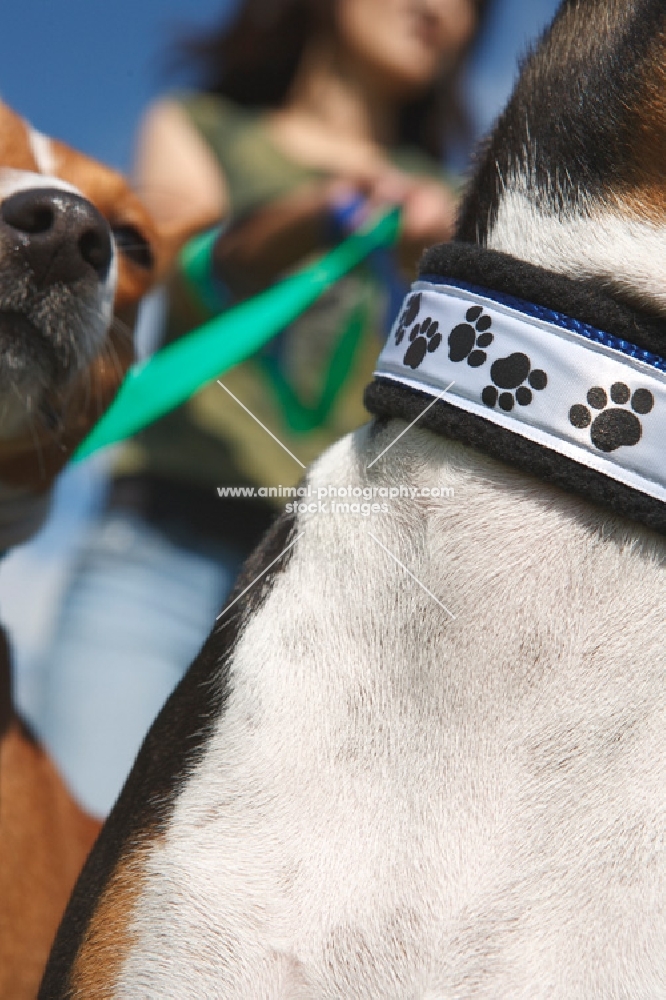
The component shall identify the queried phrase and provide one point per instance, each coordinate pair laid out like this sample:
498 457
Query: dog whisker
119 325
111 352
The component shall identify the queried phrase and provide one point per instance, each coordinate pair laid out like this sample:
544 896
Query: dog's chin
28 366
24 348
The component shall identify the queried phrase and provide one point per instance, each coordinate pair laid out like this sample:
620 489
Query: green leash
299 417
175 373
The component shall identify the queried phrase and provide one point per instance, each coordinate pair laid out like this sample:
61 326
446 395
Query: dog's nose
64 236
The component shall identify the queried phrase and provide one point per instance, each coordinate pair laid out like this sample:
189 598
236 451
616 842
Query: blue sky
83 70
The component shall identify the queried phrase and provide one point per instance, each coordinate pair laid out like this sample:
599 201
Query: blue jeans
137 611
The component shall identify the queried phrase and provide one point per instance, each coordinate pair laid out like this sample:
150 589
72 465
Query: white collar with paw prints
580 392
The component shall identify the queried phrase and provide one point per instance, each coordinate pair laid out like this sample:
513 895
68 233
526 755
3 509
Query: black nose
62 235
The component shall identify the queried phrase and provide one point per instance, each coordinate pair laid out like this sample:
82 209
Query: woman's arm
176 174
257 249
260 247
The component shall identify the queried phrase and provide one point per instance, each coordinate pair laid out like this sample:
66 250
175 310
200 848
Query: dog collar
581 407
565 385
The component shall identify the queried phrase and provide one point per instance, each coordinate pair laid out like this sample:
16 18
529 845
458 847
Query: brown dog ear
15 150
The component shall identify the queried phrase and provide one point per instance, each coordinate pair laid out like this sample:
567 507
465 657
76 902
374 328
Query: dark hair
253 58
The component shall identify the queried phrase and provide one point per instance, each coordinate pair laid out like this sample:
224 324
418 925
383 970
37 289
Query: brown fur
645 195
108 936
601 67
44 839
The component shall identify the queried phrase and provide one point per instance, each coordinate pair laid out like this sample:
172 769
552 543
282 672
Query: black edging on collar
584 300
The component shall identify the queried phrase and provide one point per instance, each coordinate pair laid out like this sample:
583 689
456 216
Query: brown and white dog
423 754
77 250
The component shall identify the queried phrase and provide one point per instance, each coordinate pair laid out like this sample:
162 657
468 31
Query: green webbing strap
171 376
195 261
298 416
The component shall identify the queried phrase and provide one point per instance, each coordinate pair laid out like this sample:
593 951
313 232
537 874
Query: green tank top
212 440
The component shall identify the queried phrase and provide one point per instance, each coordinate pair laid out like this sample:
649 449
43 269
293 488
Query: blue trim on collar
556 318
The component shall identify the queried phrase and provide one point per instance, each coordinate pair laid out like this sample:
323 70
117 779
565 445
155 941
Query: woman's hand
256 250
428 216
428 210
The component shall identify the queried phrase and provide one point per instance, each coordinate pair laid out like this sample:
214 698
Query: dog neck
539 370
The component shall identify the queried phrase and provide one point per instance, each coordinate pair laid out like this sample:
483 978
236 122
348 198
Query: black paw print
511 373
613 427
425 338
464 338
409 314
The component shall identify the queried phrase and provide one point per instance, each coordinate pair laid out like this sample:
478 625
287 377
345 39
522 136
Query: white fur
605 241
12 181
398 806
42 150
